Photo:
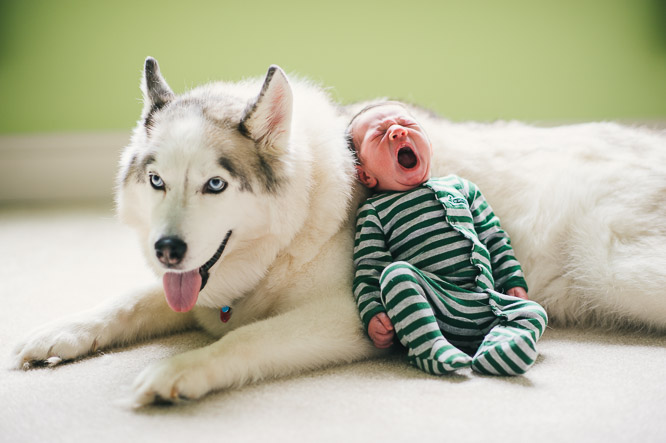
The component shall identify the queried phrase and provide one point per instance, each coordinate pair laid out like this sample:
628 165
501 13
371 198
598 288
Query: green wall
72 65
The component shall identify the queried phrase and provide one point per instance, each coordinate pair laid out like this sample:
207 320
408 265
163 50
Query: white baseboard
56 167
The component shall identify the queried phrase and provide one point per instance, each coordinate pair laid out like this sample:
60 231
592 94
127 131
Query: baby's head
393 150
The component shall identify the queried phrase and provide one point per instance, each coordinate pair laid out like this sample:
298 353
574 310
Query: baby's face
393 149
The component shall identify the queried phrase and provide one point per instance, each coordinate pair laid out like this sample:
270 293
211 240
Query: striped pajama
436 260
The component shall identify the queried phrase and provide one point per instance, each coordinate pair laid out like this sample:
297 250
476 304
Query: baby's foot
449 357
443 358
505 354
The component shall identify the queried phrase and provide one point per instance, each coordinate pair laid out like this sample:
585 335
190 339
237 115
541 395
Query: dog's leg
325 332
125 320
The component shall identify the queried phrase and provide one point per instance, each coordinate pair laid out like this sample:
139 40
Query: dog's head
202 172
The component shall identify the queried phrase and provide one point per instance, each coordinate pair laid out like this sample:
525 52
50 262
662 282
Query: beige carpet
587 386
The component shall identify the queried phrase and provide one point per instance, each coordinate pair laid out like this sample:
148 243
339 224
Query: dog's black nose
170 250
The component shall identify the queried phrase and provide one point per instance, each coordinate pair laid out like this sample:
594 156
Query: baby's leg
510 347
403 291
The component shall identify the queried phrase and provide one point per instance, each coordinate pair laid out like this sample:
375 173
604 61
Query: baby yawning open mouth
407 158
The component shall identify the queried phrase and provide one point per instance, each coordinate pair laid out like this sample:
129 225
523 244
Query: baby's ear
364 178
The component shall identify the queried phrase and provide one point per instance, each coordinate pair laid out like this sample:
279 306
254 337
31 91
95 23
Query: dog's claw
50 362
155 399
145 399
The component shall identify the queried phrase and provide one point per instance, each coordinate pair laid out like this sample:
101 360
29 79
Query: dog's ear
267 121
156 91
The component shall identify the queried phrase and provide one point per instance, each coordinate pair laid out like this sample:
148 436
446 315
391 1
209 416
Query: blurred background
70 69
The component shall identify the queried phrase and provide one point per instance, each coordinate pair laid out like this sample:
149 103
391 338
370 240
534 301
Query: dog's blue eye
156 182
215 185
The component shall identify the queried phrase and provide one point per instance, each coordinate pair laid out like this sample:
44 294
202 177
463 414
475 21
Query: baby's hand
380 330
518 292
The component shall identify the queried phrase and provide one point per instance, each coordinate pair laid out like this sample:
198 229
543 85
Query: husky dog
243 196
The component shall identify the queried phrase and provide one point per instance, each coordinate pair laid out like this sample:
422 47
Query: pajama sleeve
371 257
507 271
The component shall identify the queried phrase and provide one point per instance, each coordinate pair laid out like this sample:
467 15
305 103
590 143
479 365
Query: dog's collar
225 313
203 271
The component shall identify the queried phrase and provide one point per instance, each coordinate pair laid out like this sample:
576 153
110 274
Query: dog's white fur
583 204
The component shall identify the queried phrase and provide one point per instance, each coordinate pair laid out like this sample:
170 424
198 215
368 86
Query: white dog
244 204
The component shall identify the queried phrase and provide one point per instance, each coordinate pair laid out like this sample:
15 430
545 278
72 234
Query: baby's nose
397 131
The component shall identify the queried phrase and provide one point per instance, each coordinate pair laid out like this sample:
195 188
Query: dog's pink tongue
182 289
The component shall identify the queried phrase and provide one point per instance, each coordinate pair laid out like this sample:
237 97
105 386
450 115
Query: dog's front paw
182 377
55 343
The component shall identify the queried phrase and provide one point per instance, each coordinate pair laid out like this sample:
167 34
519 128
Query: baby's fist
518 292
380 330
